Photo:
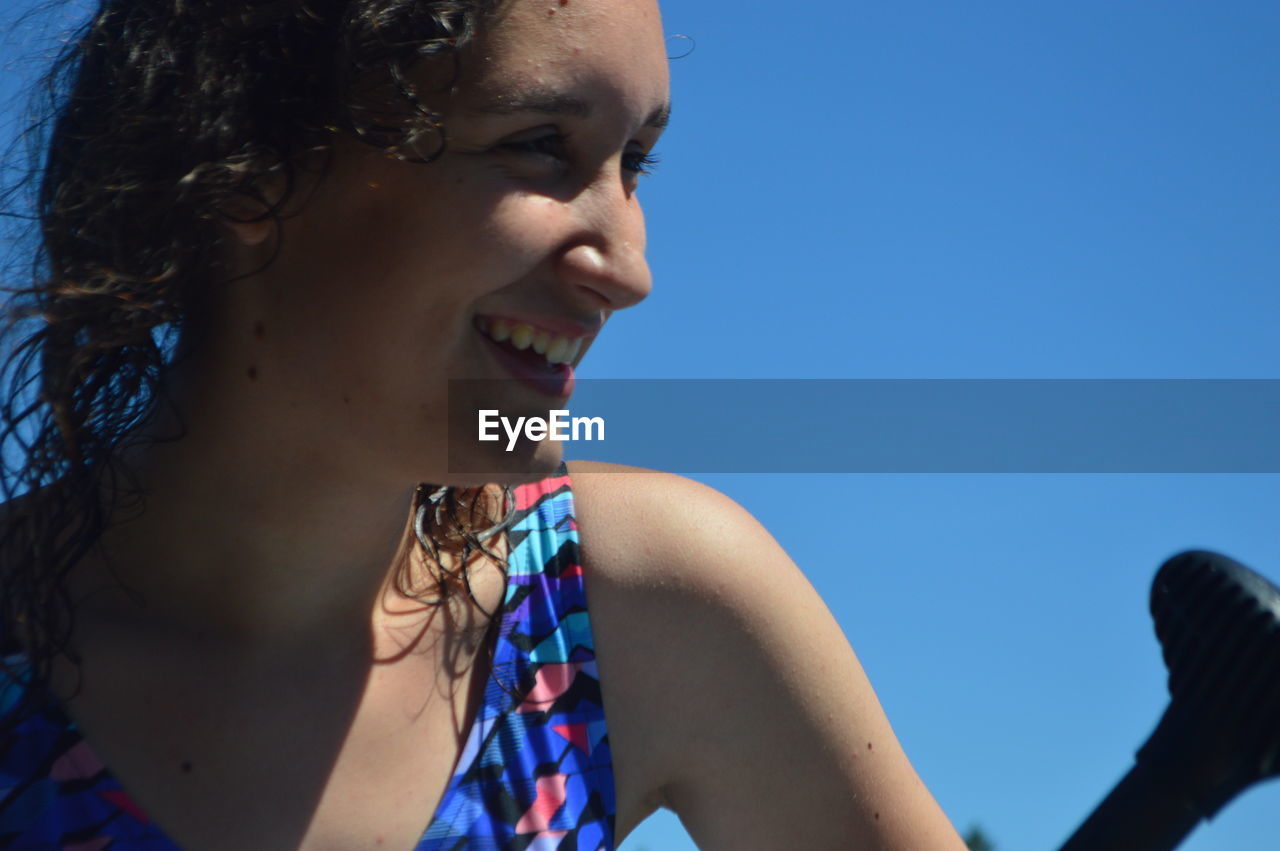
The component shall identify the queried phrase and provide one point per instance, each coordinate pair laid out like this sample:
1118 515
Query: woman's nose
605 260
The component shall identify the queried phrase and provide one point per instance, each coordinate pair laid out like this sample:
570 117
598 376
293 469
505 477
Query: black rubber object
1219 625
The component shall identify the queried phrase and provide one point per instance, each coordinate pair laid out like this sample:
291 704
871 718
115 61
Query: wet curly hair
159 113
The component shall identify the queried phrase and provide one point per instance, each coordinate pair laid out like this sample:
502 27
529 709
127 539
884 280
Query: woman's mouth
535 356
521 337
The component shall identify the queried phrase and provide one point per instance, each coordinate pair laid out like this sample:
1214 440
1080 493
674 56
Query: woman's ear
249 219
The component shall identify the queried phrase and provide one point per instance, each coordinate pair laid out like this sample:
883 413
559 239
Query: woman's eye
552 145
639 162
553 149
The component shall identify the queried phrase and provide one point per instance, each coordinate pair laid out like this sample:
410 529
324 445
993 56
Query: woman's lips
531 369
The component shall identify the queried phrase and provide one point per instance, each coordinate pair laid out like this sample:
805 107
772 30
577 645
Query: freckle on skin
877 817
259 330
186 768
868 746
252 372
346 399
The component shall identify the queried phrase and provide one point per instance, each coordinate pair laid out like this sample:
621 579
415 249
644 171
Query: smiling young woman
272 232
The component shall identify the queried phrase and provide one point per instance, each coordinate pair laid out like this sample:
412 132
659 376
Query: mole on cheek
252 372
564 2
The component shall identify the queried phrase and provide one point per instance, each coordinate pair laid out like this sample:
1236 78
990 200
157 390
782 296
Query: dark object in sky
1219 625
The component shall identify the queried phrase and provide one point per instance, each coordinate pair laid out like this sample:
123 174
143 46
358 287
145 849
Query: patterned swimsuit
535 772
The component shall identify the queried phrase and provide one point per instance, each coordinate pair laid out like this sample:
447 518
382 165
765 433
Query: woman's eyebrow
551 102
660 117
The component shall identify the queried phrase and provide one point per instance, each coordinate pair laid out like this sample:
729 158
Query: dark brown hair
159 113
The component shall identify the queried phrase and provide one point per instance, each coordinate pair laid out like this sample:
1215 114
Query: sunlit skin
320 709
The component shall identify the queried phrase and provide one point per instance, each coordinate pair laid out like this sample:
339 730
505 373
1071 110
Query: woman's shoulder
727 681
676 575
663 540
647 527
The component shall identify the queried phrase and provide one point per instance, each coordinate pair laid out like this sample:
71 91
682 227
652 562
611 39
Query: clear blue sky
980 190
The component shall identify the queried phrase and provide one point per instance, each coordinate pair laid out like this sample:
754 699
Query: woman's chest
334 754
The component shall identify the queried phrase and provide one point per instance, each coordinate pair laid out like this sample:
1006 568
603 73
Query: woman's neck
246 525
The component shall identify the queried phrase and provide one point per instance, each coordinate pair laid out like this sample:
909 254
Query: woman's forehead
560 45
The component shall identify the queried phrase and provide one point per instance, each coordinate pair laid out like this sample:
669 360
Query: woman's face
397 276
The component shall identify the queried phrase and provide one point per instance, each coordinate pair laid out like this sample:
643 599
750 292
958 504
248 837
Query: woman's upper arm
733 696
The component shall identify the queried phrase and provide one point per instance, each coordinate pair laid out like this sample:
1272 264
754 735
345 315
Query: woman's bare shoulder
728 682
643 526
669 540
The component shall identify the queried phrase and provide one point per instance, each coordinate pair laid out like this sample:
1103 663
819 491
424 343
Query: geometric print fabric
536 772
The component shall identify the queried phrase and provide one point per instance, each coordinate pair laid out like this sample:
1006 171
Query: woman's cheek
531 226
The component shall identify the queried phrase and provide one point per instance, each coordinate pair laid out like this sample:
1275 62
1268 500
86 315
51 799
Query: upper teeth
555 348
